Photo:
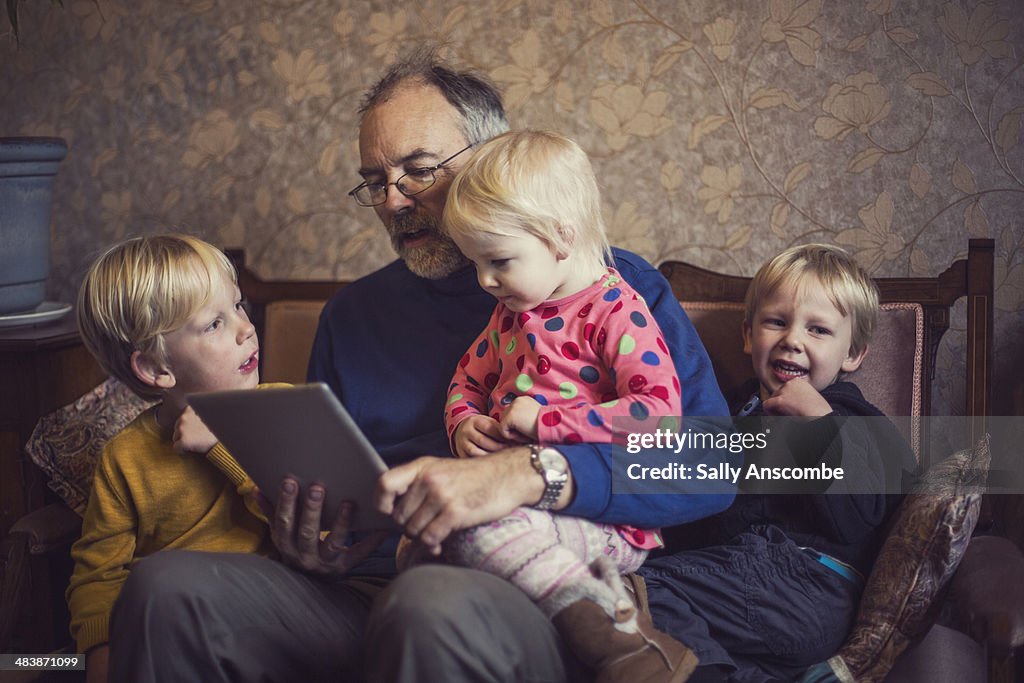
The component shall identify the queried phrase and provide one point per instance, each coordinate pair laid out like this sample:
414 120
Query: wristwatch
551 465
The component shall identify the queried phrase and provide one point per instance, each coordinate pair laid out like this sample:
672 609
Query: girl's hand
191 434
519 423
478 435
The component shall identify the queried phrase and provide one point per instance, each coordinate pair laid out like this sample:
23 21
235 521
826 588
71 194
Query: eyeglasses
412 183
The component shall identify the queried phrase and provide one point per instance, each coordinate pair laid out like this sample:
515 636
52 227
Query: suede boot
644 656
620 644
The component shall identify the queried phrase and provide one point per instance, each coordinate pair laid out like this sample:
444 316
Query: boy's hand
478 435
519 423
797 397
191 434
97 664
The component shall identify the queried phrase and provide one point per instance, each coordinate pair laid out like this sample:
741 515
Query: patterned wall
722 131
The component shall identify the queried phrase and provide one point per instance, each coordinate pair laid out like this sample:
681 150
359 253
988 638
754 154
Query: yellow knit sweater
146 497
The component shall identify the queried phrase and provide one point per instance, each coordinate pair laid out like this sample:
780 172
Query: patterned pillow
901 599
67 443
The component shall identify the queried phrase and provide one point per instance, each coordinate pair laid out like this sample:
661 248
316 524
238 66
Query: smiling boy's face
797 333
217 348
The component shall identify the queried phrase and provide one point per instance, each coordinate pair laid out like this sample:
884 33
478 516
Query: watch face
551 459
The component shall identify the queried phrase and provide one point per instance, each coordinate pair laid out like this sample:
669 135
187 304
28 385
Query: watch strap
552 485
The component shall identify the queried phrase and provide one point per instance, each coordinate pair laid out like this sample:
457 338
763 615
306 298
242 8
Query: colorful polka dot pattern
586 359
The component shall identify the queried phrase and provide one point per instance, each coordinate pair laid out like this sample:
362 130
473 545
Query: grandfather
387 345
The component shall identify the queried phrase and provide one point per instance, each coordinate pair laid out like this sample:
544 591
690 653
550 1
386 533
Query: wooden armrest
988 587
49 527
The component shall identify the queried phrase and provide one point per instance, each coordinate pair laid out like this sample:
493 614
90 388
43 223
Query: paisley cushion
930 532
67 443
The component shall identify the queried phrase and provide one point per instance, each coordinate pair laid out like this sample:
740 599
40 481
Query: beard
438 258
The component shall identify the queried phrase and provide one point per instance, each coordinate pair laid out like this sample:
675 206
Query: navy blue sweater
388 344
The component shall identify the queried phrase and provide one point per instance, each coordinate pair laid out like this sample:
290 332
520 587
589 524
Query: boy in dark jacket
792 554
810 313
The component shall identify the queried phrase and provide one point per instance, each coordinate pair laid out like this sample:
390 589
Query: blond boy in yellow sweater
162 314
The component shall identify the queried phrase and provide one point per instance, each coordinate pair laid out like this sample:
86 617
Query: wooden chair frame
258 292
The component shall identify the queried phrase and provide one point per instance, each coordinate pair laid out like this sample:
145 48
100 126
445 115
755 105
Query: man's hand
478 435
191 434
797 397
299 542
432 497
519 423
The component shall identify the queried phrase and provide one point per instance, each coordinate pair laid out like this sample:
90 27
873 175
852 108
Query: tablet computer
303 432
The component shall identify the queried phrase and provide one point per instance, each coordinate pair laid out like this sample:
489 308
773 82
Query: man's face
417 128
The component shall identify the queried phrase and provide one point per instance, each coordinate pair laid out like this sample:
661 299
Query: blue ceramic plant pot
27 168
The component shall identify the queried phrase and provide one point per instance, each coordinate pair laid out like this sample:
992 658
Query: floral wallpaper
722 132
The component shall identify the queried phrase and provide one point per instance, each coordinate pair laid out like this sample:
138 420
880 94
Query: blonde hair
536 181
848 286
140 290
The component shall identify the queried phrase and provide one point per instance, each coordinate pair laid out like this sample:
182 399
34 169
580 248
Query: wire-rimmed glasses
410 184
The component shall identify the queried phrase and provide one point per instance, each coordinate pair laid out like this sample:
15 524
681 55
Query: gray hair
475 98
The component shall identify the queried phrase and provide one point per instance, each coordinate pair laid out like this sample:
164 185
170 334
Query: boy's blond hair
848 286
537 181
140 290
